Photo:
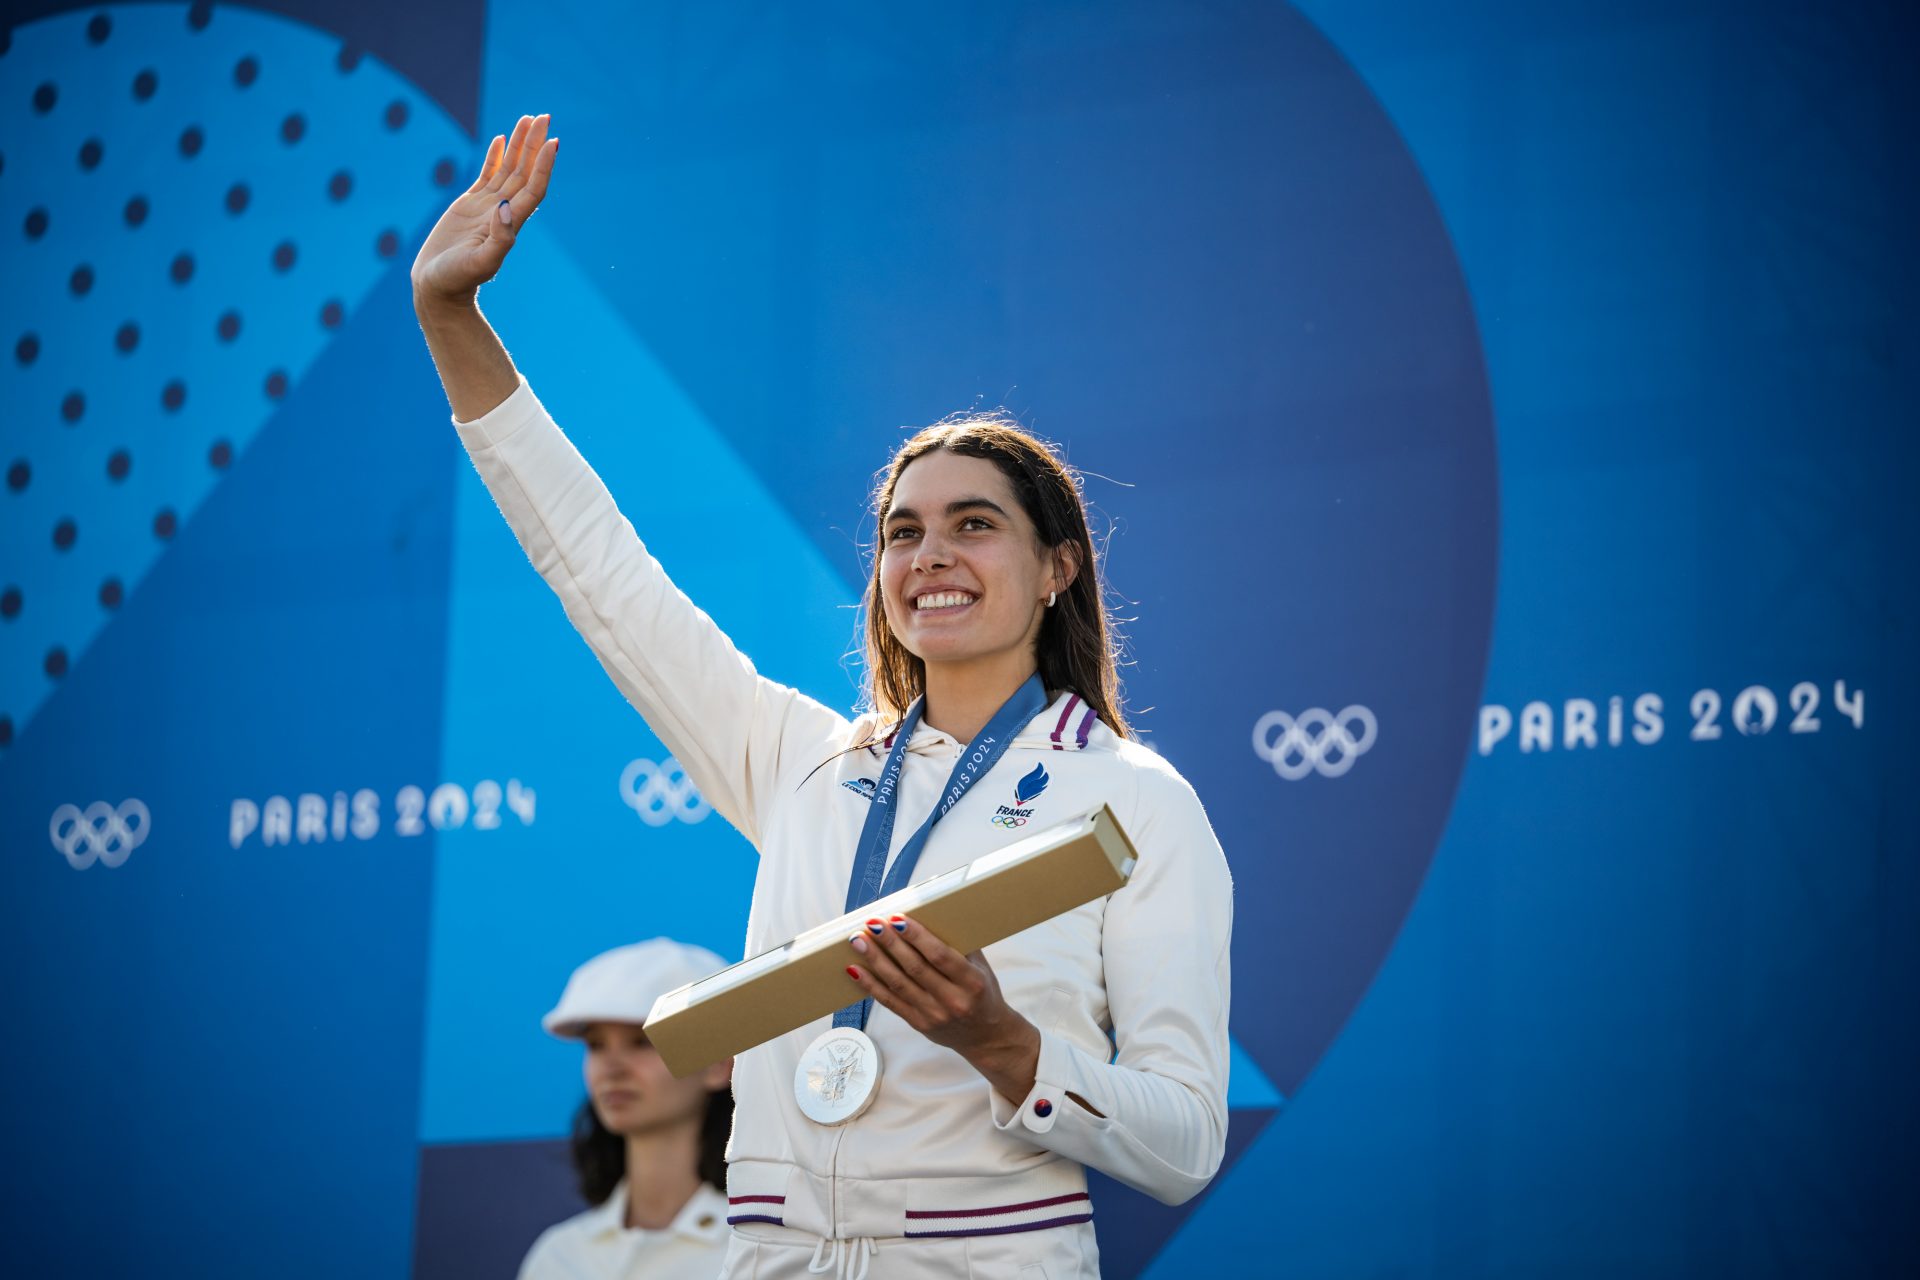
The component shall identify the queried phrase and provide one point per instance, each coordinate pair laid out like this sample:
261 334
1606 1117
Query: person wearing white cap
648 1148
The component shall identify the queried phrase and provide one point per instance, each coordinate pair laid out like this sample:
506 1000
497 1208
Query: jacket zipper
833 1184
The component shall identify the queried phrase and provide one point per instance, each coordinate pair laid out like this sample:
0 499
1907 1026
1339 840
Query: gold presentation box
995 896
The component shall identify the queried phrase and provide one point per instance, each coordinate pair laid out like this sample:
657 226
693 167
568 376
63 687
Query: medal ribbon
867 884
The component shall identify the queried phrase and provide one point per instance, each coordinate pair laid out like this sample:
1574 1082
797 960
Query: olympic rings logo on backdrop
1007 820
659 793
99 833
1317 741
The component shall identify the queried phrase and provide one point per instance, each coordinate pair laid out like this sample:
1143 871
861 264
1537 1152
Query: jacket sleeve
1161 1102
728 727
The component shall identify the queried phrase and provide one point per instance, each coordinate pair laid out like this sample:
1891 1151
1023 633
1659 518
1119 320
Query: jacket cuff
501 421
1056 1074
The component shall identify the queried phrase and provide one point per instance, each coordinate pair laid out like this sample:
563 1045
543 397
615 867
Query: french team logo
1025 792
863 787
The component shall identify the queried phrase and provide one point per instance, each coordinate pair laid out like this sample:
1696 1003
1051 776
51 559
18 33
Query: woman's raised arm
733 731
465 250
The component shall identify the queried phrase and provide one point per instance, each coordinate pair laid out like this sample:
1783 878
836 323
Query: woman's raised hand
466 247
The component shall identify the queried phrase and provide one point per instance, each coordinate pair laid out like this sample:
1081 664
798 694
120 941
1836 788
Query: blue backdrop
1500 424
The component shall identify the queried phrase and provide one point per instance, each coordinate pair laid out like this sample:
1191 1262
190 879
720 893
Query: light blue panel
1247 1085
388 169
517 906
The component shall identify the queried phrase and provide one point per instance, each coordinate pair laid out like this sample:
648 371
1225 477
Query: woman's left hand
952 999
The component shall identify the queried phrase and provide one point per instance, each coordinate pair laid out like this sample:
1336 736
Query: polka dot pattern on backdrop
195 193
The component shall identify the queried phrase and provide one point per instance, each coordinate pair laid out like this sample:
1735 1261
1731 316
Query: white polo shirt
597 1245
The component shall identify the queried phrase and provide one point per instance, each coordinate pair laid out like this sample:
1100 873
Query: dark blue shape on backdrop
1188 244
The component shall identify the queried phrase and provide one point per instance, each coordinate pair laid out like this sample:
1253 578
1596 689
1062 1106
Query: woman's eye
904 531
976 522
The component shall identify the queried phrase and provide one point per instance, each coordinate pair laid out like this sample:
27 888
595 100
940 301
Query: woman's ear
718 1076
1066 565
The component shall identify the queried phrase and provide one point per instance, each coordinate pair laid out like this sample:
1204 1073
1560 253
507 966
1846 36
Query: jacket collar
703 1217
1068 724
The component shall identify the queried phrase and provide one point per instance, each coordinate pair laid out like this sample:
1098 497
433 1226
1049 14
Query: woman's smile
942 602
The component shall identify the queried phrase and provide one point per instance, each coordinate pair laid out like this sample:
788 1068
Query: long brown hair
1076 647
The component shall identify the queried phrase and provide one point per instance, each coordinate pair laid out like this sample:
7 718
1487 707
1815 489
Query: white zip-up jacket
1129 992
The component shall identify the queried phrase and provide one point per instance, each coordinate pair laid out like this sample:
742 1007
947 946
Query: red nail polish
853 973
874 926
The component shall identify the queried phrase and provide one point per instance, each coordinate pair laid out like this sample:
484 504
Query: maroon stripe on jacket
1000 1208
1061 728
1068 1221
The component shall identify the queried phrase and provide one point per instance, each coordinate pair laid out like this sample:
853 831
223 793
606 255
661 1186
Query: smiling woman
948 1130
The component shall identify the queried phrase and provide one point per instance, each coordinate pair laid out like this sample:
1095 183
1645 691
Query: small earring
1050 596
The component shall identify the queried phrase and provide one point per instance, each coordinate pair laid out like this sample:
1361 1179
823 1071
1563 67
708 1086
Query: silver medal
837 1076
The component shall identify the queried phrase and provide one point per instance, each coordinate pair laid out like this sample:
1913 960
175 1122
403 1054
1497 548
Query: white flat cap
621 985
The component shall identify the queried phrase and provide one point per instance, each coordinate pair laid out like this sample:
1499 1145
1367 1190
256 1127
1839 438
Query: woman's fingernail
874 926
853 973
899 924
859 944
506 212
